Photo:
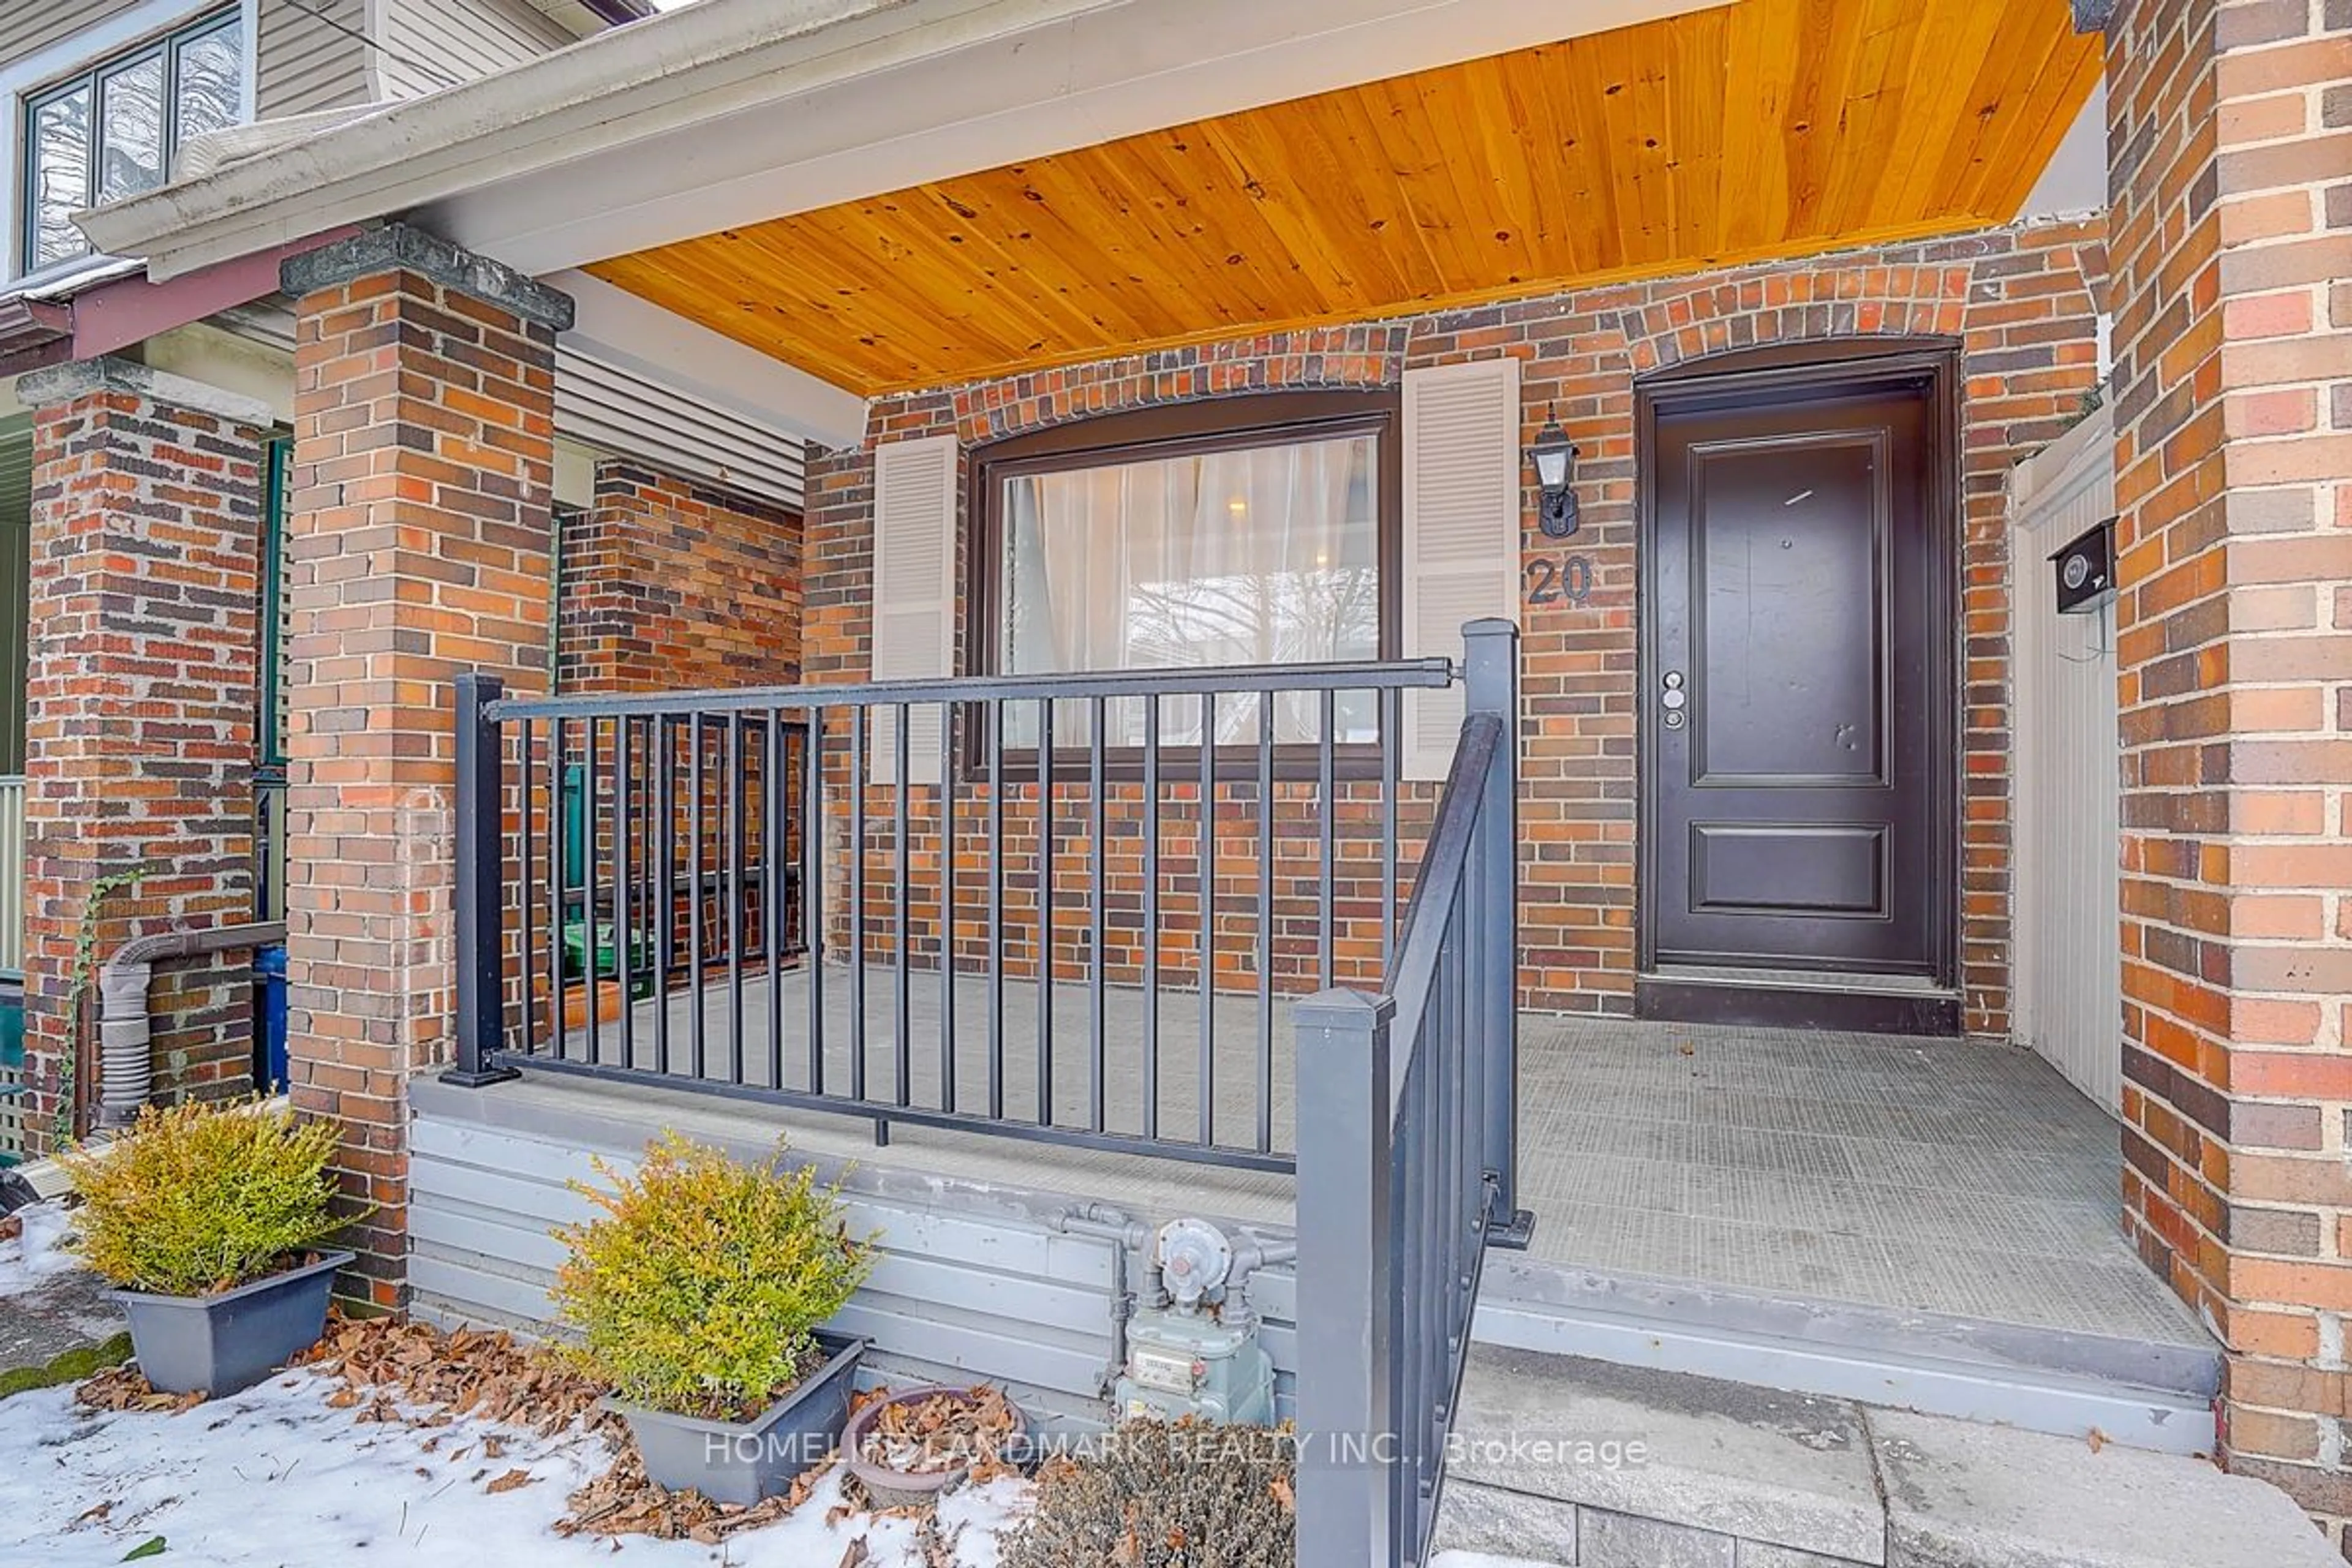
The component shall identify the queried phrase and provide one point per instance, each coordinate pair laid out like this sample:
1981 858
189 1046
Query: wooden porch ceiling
1760 129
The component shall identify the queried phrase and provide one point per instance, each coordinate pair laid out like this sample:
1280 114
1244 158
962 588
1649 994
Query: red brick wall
671 584
145 550
2018 303
423 464
2230 138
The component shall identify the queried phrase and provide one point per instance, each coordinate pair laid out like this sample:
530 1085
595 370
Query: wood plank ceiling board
1747 131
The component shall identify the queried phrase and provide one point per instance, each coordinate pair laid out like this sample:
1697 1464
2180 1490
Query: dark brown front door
1799 695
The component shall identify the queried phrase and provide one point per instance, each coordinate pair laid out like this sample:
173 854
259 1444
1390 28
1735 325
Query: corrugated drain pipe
126 1066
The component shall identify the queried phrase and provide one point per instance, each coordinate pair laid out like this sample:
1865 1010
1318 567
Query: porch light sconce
1554 458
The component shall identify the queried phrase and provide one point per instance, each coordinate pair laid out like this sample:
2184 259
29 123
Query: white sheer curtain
1267 555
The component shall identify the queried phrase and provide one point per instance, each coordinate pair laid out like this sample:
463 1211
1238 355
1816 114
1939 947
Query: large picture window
112 131
1252 532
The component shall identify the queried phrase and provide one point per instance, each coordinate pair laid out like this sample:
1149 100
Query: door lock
1673 699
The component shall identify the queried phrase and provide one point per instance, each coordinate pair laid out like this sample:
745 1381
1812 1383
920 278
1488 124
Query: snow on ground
35 1253
274 1476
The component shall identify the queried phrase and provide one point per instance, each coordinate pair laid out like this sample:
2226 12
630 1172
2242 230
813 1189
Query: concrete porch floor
1951 1176
1955 1178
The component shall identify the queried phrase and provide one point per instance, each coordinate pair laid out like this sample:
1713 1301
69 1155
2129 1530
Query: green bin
608 958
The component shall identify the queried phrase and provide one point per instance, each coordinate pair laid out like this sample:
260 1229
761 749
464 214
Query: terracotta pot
893 1487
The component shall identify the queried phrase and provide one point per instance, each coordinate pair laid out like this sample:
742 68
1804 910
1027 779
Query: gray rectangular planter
220 1344
740 1462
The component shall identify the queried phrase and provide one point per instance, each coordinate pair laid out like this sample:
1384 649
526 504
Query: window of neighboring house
111 131
1247 531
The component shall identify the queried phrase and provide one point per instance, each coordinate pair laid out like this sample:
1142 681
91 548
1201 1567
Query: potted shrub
207 1220
696 1294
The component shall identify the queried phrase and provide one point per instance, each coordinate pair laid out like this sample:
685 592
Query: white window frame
74 56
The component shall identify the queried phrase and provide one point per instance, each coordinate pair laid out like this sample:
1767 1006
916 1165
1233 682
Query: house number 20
1552 580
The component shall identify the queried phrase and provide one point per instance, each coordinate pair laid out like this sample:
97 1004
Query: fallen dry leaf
510 1481
121 1388
965 1429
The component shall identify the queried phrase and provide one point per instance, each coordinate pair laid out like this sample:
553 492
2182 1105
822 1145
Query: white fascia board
732 111
616 326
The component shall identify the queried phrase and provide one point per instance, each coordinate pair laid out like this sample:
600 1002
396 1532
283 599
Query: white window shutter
914 602
1461 530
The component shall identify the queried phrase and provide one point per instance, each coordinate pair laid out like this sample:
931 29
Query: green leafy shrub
697 1289
199 1198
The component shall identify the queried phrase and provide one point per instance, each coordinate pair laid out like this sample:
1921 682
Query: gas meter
1190 1357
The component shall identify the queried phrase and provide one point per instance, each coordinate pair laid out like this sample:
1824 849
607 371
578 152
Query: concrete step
2136 1392
1564 1462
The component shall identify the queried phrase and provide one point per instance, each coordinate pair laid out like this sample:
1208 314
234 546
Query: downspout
127 1065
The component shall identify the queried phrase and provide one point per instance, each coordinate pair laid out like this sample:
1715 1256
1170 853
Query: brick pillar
423 469
670 583
2228 130
143 648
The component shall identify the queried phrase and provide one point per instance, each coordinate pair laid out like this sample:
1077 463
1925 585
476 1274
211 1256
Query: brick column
2231 142
143 648
424 468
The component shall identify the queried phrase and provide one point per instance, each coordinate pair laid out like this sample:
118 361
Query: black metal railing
1069 907
1407 1160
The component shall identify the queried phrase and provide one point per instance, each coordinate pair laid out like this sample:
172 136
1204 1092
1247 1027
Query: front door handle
1673 699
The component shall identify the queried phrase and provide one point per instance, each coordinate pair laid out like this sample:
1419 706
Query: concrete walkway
1578 1464
49 1308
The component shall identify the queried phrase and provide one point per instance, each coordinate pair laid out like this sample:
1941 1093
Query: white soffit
2076 180
731 111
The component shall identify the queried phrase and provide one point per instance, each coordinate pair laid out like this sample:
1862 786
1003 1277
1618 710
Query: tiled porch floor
1951 1177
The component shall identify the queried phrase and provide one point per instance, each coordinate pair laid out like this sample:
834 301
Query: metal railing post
1490 680
1347 1420
480 925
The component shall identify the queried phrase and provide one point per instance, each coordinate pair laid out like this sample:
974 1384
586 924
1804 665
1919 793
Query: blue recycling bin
269 1009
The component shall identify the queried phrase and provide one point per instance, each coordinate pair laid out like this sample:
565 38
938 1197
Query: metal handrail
792 768
1389 675
1445 869
1407 1160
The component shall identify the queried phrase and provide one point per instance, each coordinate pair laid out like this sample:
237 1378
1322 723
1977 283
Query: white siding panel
432 43
28 26
2067 921
964 1289
306 62
616 410
1461 530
